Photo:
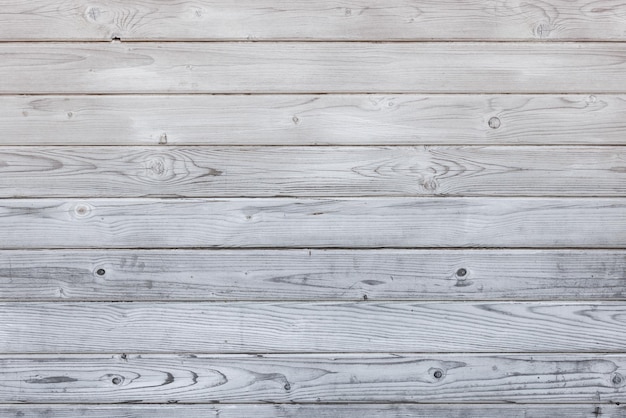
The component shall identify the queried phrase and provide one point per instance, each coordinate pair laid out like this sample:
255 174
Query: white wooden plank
262 327
319 67
315 411
312 171
301 19
309 223
354 119
314 378
128 275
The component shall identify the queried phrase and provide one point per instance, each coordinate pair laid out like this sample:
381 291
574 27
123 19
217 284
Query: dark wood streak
312 274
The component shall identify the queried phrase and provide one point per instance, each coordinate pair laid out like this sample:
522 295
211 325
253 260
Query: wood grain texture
287 327
319 67
354 119
325 20
314 378
310 223
312 171
315 411
127 275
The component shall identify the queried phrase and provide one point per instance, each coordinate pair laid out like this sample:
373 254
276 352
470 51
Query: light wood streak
296 67
262 327
305 20
288 222
400 119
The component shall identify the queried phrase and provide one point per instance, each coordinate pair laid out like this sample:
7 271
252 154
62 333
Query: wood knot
82 210
437 373
101 272
117 380
461 272
494 123
617 379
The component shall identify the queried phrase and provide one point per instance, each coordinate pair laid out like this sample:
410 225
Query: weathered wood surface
354 119
262 327
318 67
314 378
314 223
312 171
402 410
305 20
194 275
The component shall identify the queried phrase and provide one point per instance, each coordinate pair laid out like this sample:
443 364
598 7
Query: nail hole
116 380
494 123
461 272
101 272
364 297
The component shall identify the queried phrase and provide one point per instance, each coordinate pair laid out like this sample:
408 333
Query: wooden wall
294 208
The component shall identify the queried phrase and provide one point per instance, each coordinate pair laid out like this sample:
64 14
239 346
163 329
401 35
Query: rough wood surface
262 327
318 67
315 411
314 378
126 275
354 119
309 223
312 171
319 20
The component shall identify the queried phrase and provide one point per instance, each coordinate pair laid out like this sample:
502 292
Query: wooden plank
262 327
314 411
127 275
314 223
308 378
354 119
312 171
325 19
319 67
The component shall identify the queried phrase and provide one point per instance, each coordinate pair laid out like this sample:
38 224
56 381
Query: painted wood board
228 275
320 20
402 410
318 67
312 171
314 378
327 119
314 223
288 327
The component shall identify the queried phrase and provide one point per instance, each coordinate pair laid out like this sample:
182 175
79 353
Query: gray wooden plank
309 223
314 378
312 171
315 411
354 119
127 275
325 19
262 327
318 67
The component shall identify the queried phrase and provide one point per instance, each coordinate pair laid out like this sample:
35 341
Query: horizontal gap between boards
443 404
585 301
318 93
318 198
315 197
302 248
314 41
317 146
190 354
